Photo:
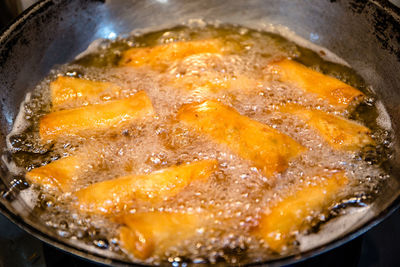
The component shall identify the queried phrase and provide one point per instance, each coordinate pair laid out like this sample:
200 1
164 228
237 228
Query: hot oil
234 196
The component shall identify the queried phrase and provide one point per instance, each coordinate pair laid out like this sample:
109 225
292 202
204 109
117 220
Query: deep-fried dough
159 57
328 88
96 117
58 174
112 195
289 215
268 149
69 90
154 232
338 132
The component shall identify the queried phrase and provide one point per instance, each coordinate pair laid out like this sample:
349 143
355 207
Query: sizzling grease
238 192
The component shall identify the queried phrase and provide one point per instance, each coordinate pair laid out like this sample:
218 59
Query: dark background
378 247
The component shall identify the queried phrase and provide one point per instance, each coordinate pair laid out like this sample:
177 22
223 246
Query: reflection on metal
395 2
314 37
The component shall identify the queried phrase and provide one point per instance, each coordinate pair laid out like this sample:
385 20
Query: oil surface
238 192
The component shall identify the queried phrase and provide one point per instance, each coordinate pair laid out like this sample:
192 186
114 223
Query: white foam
92 48
25 202
383 119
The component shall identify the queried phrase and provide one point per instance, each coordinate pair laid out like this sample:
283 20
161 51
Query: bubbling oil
238 191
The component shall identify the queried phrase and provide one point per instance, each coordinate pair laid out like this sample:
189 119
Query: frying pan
364 33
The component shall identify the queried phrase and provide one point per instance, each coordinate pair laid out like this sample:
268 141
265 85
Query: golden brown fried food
340 133
67 90
268 149
58 174
112 195
151 233
161 56
289 215
328 88
216 82
95 117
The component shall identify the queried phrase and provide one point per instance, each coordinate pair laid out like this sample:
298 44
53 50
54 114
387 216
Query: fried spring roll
146 234
58 174
111 196
278 226
268 149
160 56
216 82
95 117
67 90
328 88
338 132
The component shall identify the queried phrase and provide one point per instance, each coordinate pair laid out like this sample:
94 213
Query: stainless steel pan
364 33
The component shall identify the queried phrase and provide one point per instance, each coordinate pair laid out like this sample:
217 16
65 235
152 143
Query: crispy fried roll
340 133
151 233
112 195
67 90
268 149
215 82
95 117
58 174
328 88
159 57
289 215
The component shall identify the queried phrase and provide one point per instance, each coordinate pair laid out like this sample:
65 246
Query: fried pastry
216 82
98 117
145 234
161 56
265 147
289 215
112 195
335 92
338 132
69 90
58 174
